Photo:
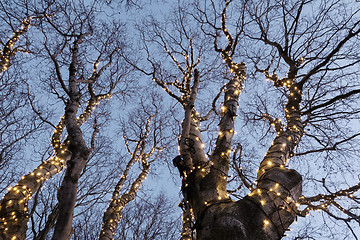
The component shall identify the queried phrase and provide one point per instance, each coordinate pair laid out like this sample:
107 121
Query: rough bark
257 216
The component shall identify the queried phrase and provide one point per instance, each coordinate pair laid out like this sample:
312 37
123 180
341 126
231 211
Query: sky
168 180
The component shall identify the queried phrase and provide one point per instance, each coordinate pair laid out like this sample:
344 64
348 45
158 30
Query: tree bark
80 153
268 211
14 205
68 194
186 141
264 214
68 190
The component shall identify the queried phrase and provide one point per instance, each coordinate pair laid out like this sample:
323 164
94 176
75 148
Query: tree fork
264 214
212 186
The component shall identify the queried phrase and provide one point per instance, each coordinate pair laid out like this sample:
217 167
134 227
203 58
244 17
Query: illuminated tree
81 59
283 75
146 137
307 50
14 103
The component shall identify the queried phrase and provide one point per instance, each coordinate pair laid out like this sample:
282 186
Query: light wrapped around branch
9 51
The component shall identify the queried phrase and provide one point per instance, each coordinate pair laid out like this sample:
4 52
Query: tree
305 49
73 42
14 104
212 59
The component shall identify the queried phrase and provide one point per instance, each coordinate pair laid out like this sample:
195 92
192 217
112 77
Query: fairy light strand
8 51
15 202
112 215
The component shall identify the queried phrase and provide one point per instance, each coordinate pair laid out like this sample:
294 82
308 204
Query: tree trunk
67 195
80 153
266 213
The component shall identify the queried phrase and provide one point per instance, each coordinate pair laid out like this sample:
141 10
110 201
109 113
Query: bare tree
150 220
144 144
72 42
307 54
284 74
82 87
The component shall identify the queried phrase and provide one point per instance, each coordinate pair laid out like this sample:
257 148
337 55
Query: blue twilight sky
165 178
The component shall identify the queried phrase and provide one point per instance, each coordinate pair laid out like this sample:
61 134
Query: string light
22 192
8 50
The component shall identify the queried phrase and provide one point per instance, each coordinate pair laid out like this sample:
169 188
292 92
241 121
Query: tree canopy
103 105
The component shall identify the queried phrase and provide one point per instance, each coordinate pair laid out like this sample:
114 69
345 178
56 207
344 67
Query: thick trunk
68 193
208 182
264 214
268 211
